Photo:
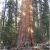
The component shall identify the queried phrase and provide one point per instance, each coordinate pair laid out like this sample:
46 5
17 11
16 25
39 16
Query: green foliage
39 37
42 32
10 33
45 18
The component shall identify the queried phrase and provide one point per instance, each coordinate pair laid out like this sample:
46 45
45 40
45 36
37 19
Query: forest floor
41 46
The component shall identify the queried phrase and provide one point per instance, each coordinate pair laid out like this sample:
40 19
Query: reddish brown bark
27 25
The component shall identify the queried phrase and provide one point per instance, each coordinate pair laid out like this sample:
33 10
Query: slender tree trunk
3 16
16 15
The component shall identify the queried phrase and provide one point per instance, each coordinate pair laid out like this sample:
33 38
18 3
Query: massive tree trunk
26 36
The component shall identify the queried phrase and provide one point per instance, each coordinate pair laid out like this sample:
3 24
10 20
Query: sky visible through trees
2 4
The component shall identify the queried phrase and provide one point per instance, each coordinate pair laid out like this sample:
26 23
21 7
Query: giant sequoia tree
27 24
